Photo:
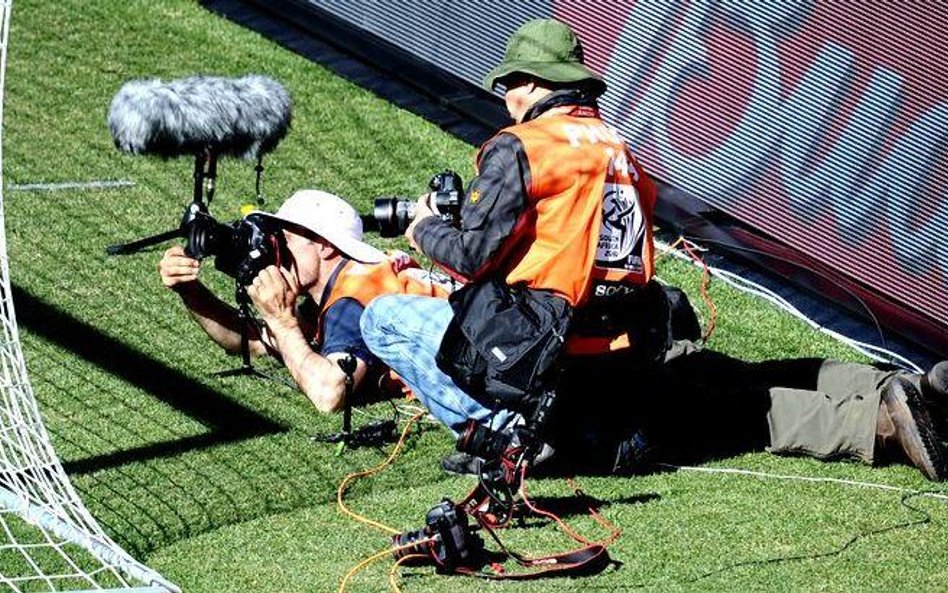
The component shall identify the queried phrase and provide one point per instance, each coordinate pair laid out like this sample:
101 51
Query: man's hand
274 293
177 270
422 210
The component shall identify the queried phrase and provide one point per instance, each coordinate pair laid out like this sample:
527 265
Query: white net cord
48 539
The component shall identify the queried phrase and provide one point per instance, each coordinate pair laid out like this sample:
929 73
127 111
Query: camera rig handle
348 365
205 174
243 317
138 245
205 177
373 434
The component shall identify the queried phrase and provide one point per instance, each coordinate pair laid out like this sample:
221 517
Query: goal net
48 539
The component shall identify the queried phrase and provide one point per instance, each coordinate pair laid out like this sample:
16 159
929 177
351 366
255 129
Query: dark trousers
698 405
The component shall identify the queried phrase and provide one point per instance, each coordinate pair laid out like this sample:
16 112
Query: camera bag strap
588 560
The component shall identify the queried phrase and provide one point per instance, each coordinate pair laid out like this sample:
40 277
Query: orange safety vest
364 282
398 274
591 236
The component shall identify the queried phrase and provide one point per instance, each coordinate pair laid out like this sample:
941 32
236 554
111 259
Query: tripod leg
244 319
132 247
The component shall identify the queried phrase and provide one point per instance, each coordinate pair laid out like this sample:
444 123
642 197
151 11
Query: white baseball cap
330 217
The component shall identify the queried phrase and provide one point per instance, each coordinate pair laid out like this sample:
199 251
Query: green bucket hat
547 49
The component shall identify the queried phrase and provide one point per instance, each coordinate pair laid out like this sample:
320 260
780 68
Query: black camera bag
503 342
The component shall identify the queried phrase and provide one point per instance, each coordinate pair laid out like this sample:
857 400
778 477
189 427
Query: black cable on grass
923 517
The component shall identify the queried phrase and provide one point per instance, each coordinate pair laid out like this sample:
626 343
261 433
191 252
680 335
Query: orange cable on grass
345 481
566 528
705 281
671 247
379 555
391 530
360 566
392 573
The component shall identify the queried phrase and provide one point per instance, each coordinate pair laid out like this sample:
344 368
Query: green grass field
215 482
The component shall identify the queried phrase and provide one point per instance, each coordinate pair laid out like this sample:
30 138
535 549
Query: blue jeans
405 332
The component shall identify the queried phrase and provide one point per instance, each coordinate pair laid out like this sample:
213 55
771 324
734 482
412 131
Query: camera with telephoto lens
445 539
480 441
394 214
240 249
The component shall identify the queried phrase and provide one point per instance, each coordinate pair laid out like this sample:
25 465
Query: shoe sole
937 462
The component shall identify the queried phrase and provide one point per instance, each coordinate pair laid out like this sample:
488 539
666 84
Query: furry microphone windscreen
240 117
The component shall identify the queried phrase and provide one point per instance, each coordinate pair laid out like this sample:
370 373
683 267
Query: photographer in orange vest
311 305
555 241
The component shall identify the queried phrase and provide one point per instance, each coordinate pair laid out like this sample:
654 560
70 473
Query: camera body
446 538
240 249
394 214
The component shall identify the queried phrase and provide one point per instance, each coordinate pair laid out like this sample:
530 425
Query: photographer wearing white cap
310 306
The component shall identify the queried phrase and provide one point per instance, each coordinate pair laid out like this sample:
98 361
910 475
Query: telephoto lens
480 441
206 237
393 215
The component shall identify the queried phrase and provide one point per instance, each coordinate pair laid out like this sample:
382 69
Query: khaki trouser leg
837 419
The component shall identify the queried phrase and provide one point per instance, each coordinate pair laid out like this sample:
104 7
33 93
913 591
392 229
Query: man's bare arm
218 319
274 293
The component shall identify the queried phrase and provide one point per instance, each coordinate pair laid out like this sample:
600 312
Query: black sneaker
462 464
634 455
